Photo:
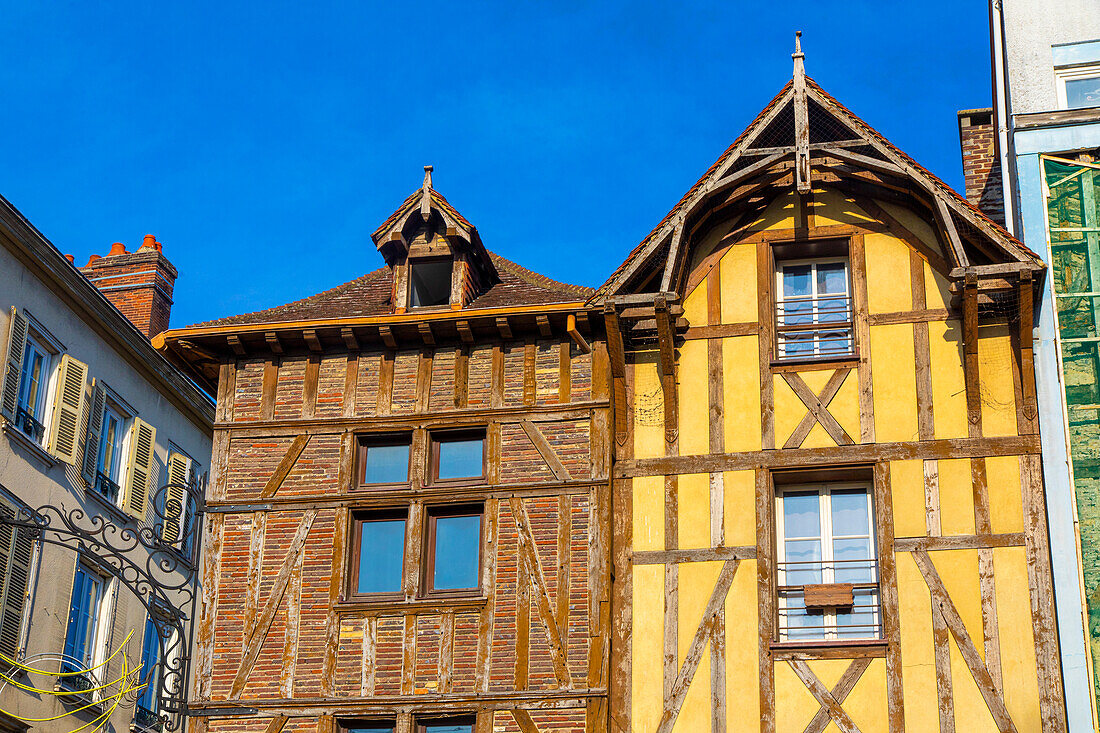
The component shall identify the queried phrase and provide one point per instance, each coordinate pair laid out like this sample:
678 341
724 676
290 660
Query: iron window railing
860 620
108 488
809 326
26 422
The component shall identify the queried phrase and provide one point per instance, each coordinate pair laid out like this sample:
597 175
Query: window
813 309
384 460
34 387
114 429
446 725
450 561
368 726
453 561
177 509
430 283
147 702
458 456
16 556
1078 87
827 571
82 634
379 553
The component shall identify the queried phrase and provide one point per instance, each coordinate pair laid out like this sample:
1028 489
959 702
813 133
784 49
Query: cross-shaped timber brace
817 409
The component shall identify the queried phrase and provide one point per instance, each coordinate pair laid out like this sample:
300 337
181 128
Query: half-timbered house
409 500
845 528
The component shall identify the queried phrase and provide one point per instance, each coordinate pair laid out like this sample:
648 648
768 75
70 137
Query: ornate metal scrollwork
162 575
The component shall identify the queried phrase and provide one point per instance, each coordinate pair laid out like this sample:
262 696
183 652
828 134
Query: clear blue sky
263 142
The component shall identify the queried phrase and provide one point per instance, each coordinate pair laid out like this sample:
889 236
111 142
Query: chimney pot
158 246
69 258
92 259
150 241
118 248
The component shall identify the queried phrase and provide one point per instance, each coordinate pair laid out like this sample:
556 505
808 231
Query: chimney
138 283
981 166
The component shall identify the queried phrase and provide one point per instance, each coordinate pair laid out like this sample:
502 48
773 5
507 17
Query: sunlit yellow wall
892 349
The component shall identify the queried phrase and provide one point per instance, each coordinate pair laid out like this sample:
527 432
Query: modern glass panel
461 458
457 552
1082 93
381 555
387 464
430 283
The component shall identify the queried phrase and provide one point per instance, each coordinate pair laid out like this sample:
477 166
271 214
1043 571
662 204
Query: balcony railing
26 422
812 328
108 488
861 619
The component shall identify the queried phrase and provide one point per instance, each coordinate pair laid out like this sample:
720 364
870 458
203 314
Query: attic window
430 283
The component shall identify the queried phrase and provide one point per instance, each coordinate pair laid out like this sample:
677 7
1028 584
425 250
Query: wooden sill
416 605
809 365
829 649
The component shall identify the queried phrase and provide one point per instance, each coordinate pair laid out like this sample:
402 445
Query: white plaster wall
24 473
1031 28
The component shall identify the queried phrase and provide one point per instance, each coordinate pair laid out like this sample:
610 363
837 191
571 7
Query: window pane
460 458
801 514
850 513
796 622
802 562
430 284
832 310
859 621
832 278
150 650
1083 92
387 464
448 728
457 552
853 561
796 280
381 553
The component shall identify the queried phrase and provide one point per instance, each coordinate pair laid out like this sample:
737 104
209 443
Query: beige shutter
16 551
139 469
67 407
13 364
179 471
91 440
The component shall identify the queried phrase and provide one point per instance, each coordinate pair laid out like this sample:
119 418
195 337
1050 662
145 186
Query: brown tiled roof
636 252
371 294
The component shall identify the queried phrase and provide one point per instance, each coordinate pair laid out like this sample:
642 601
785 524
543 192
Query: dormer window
430 282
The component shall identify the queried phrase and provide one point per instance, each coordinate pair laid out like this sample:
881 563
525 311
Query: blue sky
263 142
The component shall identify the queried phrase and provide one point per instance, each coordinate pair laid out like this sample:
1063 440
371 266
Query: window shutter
142 437
91 440
67 408
179 473
13 364
16 551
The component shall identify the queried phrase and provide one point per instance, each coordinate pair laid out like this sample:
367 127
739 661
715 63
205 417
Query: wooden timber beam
947 224
273 342
788 150
348 334
234 342
544 326
866 161
738 177
465 332
668 368
673 255
426 334
504 328
386 334
571 329
310 335
801 121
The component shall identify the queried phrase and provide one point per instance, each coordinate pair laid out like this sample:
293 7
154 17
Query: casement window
813 309
16 558
384 460
453 550
430 282
177 515
1078 86
83 632
379 558
449 561
43 389
458 456
118 452
827 569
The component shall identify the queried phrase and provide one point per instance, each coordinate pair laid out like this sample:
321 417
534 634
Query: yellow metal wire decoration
128 683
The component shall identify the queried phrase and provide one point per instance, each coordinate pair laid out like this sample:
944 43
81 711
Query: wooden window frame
839 478
436 437
816 249
412 262
364 443
422 722
379 724
427 560
356 517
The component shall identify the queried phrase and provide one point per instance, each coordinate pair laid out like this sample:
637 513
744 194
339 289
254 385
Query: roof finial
798 56
428 176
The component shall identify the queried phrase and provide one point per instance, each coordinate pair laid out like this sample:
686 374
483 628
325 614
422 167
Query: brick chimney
981 165
138 283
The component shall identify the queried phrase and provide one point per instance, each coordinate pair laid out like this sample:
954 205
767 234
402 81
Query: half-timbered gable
409 497
828 505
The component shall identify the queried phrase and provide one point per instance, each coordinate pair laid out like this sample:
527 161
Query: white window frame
113 404
781 343
824 491
1071 73
39 341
